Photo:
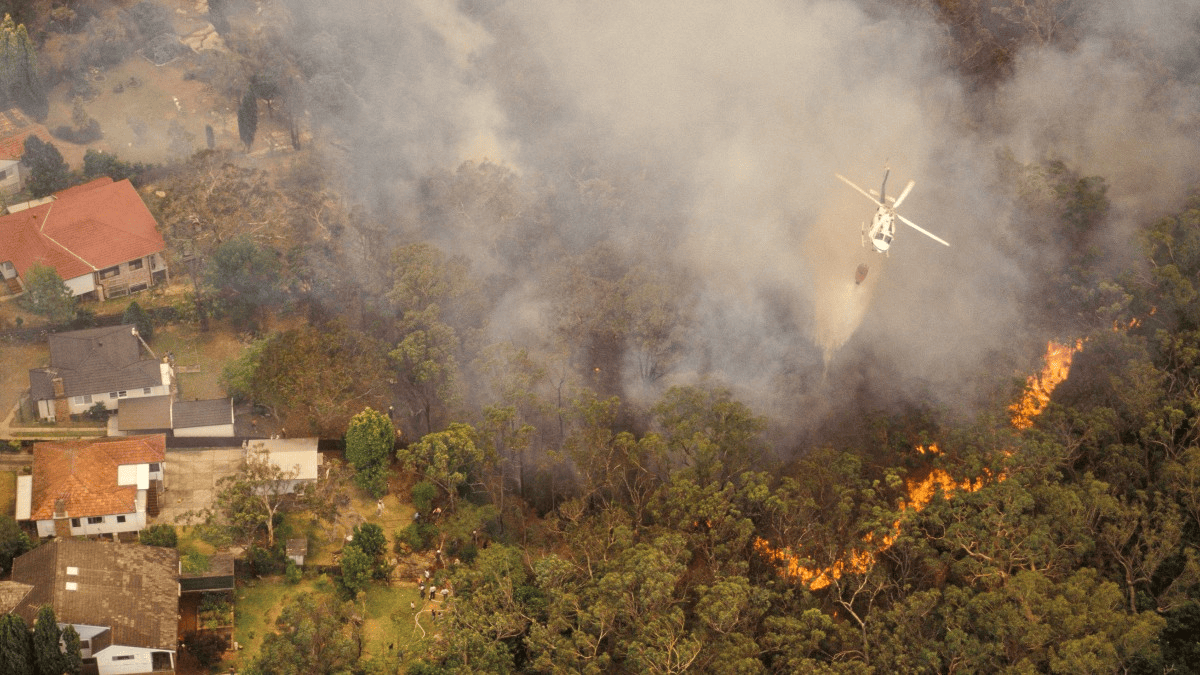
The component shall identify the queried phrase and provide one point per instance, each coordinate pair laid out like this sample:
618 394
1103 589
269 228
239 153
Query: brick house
99 237
97 365
92 487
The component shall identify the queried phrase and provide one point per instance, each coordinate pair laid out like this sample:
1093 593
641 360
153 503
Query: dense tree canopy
609 505
313 637
246 278
48 171
314 378
369 442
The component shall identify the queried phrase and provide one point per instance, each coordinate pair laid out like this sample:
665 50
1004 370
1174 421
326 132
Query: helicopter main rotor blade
907 188
864 192
923 231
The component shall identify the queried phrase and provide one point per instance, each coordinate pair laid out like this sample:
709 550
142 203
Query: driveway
191 479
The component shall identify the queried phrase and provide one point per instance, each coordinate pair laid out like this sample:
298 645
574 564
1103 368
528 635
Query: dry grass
18 358
8 491
205 352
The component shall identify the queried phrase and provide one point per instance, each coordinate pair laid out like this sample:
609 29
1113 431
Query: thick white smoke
729 121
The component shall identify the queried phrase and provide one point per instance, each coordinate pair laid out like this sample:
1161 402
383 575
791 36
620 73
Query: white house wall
24 497
215 430
79 404
12 175
86 633
82 284
108 525
119 659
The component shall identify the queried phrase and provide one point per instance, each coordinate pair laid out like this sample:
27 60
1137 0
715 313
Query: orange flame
1038 387
921 491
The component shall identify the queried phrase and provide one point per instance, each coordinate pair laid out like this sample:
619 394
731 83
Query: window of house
120 519
95 520
110 271
155 467
135 264
146 390
87 398
122 394
112 394
123 657
77 399
74 522
153 262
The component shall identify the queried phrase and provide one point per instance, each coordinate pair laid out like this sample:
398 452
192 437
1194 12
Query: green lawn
259 604
388 620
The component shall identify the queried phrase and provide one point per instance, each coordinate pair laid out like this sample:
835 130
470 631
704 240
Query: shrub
195 562
423 494
162 534
417 536
79 135
206 647
293 573
98 412
267 561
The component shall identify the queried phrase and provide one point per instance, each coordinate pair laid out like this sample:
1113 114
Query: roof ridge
42 231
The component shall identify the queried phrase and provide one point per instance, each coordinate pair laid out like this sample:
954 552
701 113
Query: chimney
61 410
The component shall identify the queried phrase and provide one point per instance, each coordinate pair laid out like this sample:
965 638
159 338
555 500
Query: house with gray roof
122 599
211 417
97 365
162 414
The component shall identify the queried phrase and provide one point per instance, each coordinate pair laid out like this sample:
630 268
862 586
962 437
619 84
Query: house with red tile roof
99 237
14 129
90 487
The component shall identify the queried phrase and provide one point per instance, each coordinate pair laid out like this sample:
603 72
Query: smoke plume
714 131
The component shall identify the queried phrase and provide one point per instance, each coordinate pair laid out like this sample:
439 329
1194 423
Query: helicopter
883 224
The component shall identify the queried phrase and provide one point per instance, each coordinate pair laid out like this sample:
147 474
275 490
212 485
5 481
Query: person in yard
379 504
